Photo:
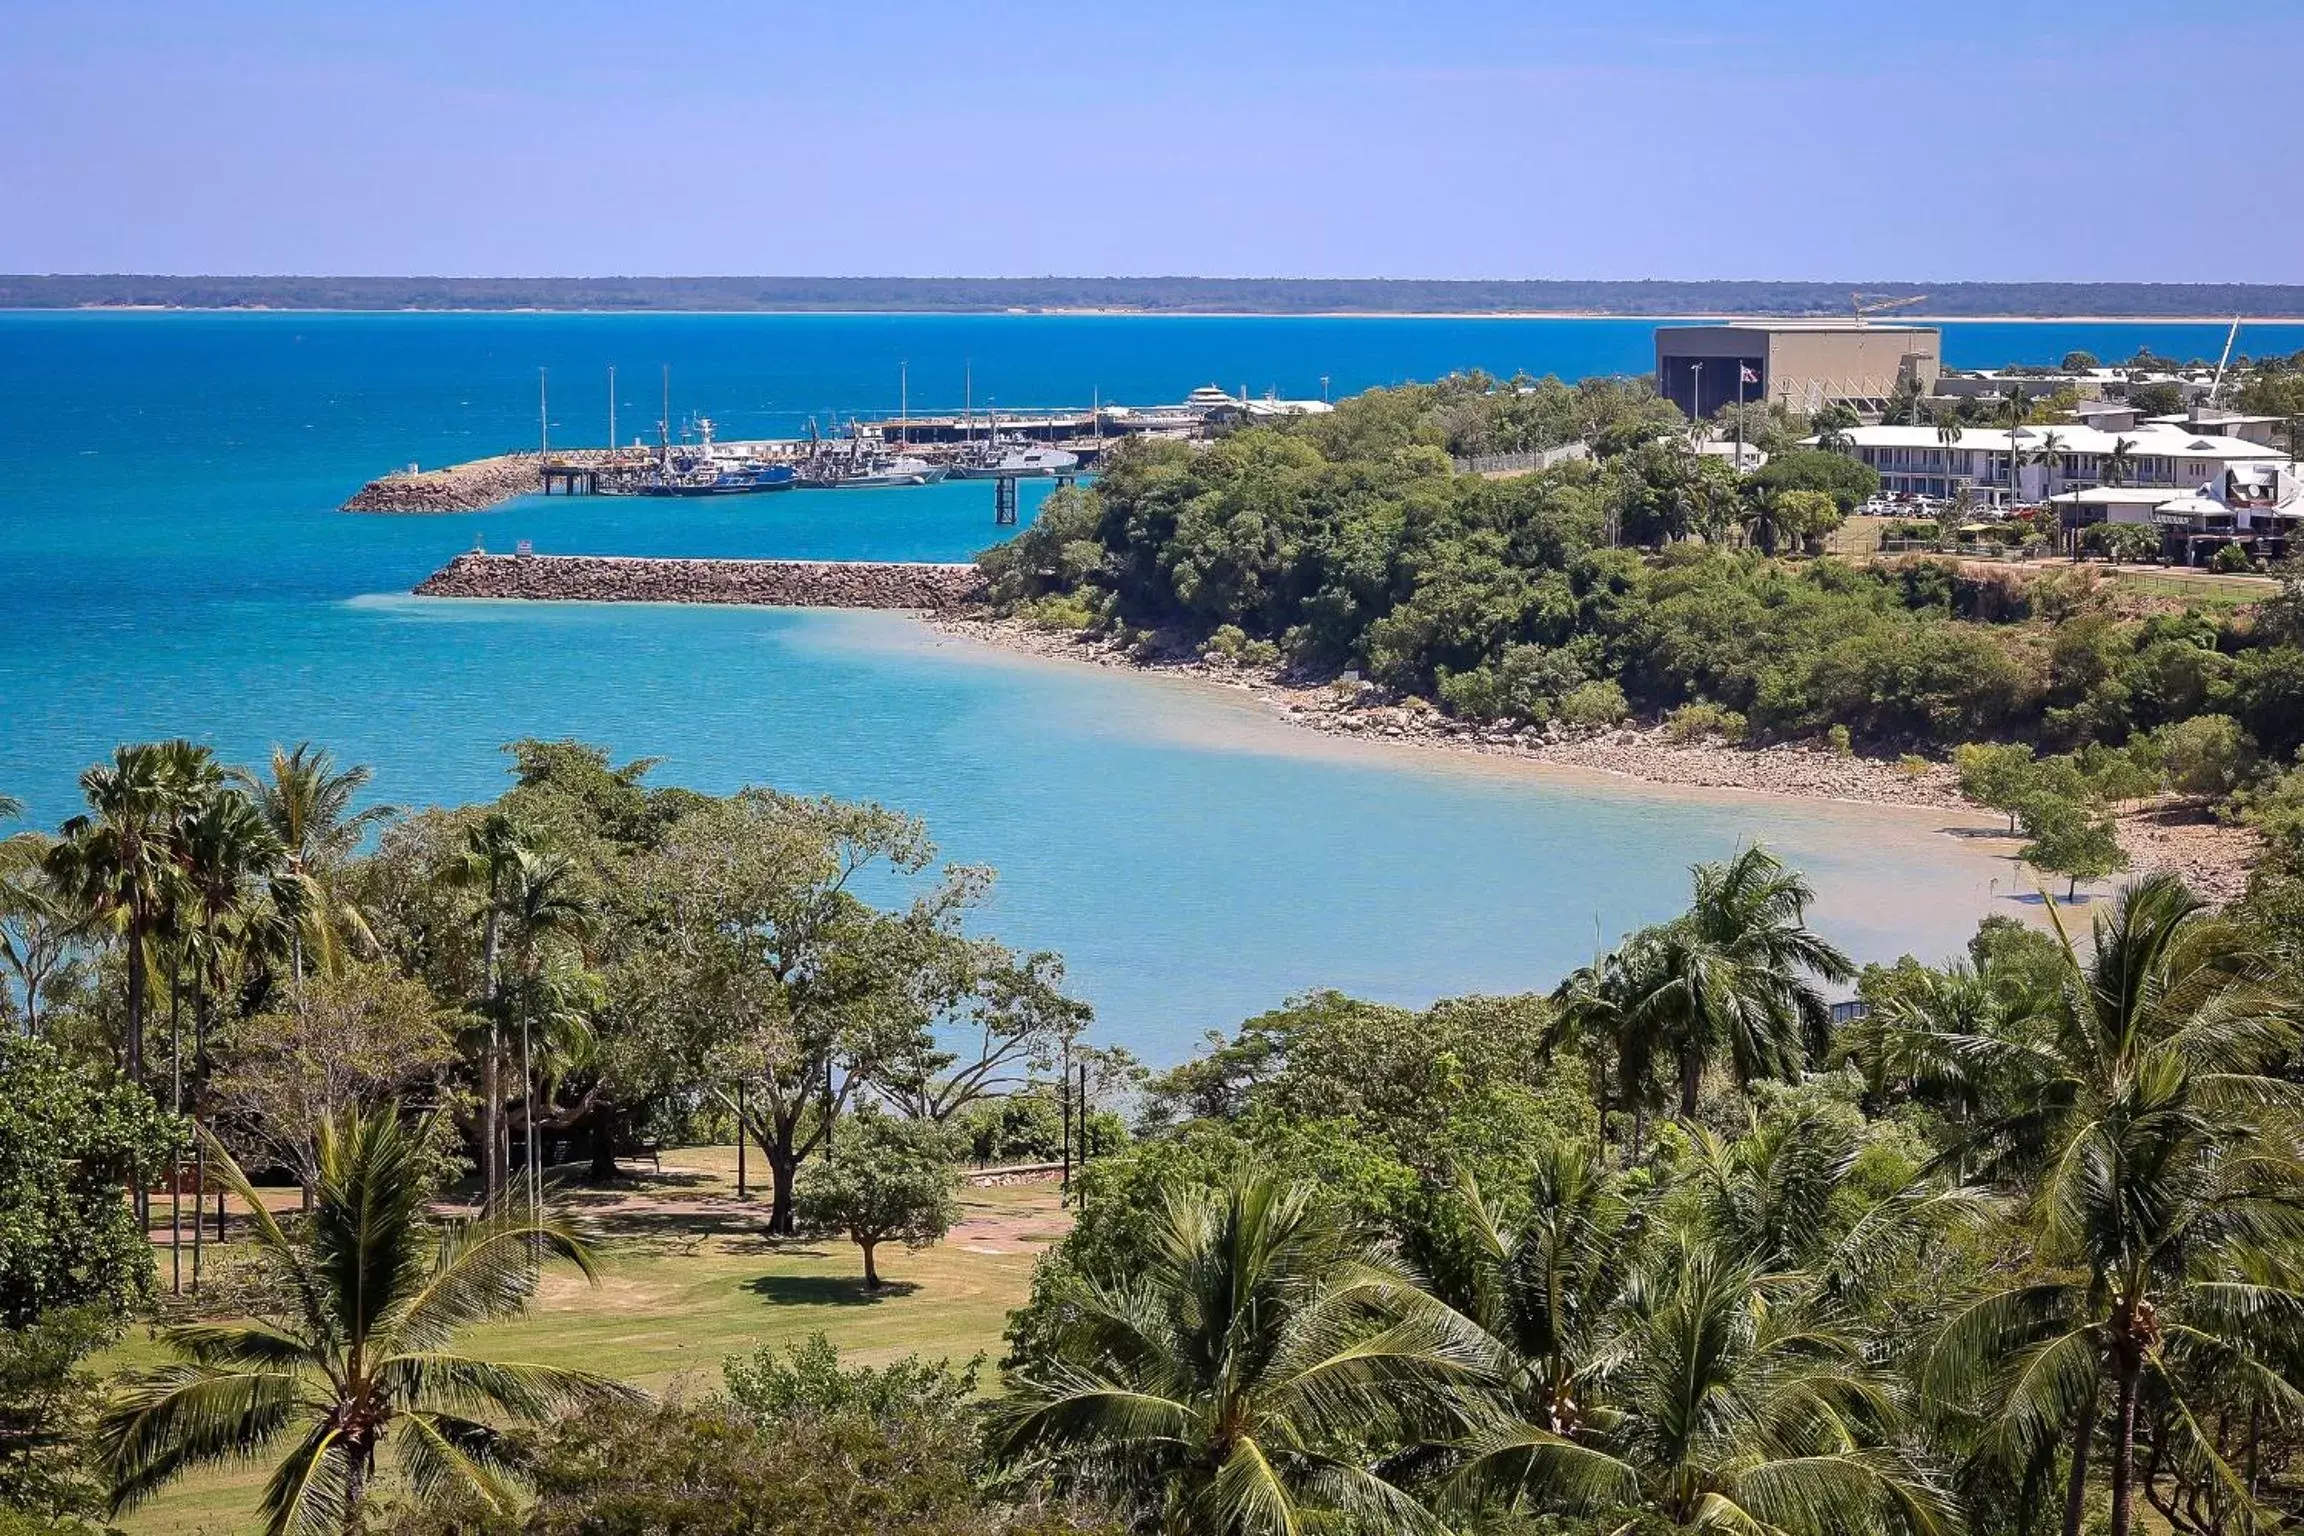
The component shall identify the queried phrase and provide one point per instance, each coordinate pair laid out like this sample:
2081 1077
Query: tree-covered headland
1653 581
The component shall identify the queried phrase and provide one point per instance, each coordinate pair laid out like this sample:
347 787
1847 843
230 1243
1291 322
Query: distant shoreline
1723 316
1180 297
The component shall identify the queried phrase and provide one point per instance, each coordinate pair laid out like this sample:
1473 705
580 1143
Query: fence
1520 463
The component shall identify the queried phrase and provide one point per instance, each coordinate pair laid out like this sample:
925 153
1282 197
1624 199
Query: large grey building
1802 364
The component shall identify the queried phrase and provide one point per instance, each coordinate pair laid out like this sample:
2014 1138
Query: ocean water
171 563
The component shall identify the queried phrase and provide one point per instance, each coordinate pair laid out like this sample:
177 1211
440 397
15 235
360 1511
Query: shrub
1225 645
1911 766
1692 721
1594 704
2231 558
1839 738
2205 755
1063 611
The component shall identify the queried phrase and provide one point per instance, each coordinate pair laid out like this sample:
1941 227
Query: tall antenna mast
2229 337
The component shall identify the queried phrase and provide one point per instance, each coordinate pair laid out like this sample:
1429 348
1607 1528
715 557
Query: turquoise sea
171 563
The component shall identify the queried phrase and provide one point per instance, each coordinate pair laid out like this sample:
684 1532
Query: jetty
472 486
898 584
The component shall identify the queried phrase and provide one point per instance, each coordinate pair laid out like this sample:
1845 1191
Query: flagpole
1740 372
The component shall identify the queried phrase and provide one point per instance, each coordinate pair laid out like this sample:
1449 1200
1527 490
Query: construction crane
1864 311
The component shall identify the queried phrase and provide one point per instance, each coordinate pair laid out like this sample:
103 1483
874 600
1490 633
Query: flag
1745 375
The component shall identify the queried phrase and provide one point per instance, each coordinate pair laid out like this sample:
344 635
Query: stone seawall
768 583
473 486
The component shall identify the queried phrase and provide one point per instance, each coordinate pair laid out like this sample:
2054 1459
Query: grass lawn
688 1280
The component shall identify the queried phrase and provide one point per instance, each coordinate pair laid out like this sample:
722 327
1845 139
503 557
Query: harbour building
1805 365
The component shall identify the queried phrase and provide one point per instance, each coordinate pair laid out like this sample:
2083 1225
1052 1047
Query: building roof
2149 440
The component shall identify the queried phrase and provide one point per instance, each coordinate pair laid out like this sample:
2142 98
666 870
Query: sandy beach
2213 858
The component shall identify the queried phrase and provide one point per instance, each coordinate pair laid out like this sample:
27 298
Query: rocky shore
2215 859
773 583
473 486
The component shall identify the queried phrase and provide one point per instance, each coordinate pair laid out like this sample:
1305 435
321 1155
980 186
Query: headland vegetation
1145 295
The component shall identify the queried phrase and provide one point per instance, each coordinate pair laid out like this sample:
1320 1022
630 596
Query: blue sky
1646 138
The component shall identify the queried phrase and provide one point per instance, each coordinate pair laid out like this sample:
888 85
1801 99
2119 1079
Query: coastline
1093 312
2214 859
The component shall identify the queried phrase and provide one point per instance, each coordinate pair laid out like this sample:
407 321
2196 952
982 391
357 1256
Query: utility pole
1696 391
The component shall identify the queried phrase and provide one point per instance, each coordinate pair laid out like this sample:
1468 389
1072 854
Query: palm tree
2120 462
1731 979
364 1357
1247 1380
1948 433
1547 1285
307 802
492 850
1732 1401
2168 1167
116 860
541 902
1597 1006
2014 405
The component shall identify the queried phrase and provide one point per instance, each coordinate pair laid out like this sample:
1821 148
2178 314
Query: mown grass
688 1279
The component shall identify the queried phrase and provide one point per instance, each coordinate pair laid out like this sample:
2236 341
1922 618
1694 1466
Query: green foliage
73 1139
2207 755
362 1353
1695 722
1847 481
807 1381
890 1180
48 1408
2070 837
2000 777
631 1469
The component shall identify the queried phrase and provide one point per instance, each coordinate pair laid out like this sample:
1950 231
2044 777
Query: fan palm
116 860
1734 978
1245 1382
1949 431
1733 1403
2166 1162
364 1358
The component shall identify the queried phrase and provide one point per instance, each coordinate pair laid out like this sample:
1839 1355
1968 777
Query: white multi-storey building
2051 460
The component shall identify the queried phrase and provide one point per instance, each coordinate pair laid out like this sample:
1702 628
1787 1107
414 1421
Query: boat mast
664 422
968 402
611 407
543 420
903 406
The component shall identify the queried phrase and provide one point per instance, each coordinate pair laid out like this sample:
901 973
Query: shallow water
171 563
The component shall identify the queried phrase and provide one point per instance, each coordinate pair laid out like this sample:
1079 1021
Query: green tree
363 1357
307 802
2164 1185
2072 837
2079 362
891 1182
2002 777
67 1239
48 1408
1733 980
117 859
488 862
1732 1403
1251 1374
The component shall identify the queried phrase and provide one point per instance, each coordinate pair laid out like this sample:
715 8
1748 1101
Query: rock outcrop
772 583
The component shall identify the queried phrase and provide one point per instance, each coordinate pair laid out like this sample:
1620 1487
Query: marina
880 452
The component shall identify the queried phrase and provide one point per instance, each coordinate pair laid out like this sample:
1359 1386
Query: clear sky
1623 138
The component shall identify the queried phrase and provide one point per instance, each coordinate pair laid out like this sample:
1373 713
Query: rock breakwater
473 486
768 583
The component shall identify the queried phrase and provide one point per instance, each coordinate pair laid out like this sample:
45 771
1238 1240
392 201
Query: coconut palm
1597 1007
1732 1402
1733 979
307 802
1547 1285
2120 463
1248 1379
2165 1166
364 1356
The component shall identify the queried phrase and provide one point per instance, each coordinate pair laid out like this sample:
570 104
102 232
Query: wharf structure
912 585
